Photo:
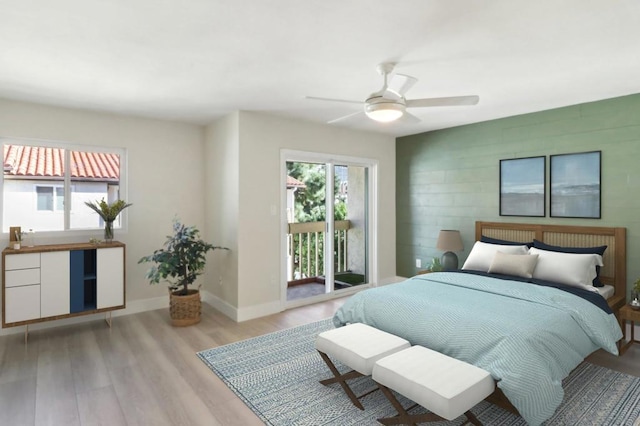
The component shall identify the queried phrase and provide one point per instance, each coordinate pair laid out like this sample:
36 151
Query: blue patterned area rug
277 376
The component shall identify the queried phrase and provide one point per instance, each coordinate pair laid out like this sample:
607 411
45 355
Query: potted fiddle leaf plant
179 262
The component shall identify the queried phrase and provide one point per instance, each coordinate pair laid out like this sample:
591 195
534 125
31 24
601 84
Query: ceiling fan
389 103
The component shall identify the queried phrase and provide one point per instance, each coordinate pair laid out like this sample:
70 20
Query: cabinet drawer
22 304
21 277
21 261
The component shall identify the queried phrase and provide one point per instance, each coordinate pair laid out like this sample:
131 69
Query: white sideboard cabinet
50 282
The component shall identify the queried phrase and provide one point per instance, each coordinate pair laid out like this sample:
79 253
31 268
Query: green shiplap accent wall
448 179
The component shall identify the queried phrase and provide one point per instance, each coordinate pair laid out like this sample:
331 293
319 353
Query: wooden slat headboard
614 271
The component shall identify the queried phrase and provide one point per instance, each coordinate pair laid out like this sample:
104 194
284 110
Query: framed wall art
522 187
575 185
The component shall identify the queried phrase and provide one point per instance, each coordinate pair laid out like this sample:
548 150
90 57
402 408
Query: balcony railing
306 248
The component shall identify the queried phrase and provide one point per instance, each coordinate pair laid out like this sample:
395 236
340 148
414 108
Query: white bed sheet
607 291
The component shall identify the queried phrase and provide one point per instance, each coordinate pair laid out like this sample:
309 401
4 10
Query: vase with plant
435 266
635 295
179 262
108 212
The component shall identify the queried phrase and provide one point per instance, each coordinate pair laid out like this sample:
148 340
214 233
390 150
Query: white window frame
68 147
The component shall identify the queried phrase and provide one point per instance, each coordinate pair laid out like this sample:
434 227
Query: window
45 185
48 200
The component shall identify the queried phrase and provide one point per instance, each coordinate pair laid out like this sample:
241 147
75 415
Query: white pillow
520 265
482 255
572 269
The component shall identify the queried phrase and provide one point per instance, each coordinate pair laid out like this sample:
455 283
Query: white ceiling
198 60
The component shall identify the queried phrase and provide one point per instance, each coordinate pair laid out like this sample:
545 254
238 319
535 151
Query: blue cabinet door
76 257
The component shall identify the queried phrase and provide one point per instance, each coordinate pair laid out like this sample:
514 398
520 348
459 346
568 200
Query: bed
529 337
612 274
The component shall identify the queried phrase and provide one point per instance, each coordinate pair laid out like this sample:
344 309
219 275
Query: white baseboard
220 305
258 311
242 314
133 307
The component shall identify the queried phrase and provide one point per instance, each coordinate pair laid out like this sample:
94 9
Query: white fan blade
401 83
448 101
314 98
409 118
390 94
337 120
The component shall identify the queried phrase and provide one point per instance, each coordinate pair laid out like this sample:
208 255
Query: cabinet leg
107 318
26 334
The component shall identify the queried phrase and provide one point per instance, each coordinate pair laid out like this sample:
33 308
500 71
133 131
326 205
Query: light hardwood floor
143 371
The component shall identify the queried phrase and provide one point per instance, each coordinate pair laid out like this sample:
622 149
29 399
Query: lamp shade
449 240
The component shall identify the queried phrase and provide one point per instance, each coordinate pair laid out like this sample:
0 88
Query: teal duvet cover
528 337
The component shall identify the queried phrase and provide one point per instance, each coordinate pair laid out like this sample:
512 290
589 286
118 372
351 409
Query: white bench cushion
443 385
359 346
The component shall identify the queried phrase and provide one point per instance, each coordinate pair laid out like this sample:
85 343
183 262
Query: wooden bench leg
401 418
471 418
404 418
342 380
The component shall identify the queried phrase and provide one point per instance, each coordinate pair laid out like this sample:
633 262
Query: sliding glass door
350 226
327 227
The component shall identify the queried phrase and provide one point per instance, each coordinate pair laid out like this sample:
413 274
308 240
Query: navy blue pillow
577 250
490 240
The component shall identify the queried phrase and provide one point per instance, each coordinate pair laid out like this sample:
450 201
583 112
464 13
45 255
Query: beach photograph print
575 185
522 189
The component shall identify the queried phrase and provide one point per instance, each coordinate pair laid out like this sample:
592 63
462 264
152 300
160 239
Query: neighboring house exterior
292 186
34 187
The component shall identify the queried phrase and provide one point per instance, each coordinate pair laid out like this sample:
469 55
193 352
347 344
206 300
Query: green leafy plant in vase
108 213
179 262
635 294
435 266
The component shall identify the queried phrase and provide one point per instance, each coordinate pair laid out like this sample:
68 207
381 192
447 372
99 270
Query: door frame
372 231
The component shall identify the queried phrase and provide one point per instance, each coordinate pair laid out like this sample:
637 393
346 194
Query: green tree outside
310 206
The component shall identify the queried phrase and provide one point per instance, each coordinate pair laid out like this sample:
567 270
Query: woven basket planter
185 309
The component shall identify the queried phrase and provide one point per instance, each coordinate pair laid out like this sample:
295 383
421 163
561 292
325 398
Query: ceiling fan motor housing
383 109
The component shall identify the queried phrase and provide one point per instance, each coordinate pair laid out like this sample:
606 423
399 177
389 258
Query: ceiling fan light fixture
390 103
384 112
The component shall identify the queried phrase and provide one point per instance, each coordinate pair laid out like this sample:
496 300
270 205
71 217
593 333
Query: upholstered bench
358 346
445 386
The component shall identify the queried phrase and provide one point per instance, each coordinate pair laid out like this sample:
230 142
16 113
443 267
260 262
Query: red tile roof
42 162
294 183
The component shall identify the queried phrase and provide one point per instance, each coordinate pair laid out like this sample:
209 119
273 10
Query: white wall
221 173
262 137
165 170
223 179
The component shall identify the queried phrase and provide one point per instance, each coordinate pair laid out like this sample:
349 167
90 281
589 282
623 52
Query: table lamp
449 241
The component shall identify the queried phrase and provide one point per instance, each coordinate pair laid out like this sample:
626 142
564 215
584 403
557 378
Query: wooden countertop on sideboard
61 247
